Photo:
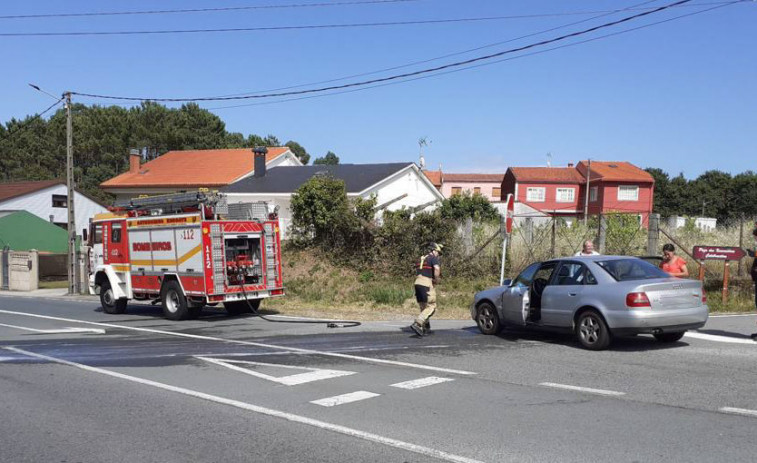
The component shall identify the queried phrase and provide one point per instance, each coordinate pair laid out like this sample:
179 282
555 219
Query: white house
189 170
48 199
395 185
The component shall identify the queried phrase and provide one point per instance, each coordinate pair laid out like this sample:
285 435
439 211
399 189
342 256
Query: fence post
468 235
653 239
554 237
741 245
529 228
601 237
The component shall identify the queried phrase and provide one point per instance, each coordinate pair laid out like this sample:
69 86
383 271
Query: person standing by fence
752 252
587 250
671 263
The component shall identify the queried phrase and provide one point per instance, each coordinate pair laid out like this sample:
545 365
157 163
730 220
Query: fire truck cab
185 251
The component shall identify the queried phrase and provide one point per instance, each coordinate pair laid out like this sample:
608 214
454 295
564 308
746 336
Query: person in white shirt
588 250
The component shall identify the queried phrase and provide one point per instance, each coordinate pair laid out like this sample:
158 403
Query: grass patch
389 295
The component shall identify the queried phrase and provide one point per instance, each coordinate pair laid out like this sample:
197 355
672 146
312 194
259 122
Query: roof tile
617 171
547 174
490 178
13 189
193 168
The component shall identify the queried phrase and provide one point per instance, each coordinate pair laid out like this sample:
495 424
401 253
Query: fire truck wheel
174 303
108 300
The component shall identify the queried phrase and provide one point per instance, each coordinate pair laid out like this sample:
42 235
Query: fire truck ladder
174 202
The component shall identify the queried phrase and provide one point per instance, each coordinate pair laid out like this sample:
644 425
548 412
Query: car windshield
631 269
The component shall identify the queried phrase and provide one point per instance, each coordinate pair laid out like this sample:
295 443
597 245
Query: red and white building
543 192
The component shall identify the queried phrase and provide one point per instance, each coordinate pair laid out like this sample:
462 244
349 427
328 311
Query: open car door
516 299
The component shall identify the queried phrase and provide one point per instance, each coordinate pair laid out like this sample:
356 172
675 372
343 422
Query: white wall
40 203
419 190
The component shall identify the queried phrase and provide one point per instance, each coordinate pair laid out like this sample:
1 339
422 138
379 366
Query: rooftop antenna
549 159
423 141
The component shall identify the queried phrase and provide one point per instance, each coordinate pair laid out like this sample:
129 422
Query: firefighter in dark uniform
428 273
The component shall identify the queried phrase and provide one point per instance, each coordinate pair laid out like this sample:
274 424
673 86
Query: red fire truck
185 251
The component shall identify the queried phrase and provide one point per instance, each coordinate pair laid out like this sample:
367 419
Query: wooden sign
718 253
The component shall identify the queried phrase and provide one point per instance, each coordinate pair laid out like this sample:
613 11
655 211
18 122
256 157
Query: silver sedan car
596 298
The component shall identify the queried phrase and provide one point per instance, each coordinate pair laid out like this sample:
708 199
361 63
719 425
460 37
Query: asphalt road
78 385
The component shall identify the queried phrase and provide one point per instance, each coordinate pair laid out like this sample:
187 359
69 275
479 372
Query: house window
497 192
457 190
477 190
60 201
593 193
535 194
628 193
565 195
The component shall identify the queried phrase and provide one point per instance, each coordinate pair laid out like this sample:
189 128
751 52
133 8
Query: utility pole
73 280
586 199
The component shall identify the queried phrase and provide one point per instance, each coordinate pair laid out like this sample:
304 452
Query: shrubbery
349 231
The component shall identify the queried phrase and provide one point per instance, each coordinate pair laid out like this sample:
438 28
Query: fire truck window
115 233
98 234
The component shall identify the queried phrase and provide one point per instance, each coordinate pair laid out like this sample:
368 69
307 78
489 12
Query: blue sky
680 96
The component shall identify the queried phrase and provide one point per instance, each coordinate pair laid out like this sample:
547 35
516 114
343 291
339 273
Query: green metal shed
22 231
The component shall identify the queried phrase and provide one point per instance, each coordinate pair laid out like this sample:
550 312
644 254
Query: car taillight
637 300
704 298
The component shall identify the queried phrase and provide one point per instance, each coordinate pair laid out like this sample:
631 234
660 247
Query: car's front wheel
669 337
487 318
108 300
592 331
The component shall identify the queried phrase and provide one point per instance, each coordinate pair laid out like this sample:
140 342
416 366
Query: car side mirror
84 235
507 282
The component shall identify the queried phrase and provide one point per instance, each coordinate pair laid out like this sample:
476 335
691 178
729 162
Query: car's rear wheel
669 337
175 305
592 331
487 318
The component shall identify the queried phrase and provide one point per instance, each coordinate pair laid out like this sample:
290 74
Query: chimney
135 160
570 164
259 153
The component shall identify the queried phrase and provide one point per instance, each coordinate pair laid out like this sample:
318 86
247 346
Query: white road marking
248 343
423 382
738 411
57 331
344 398
388 441
583 389
716 338
313 374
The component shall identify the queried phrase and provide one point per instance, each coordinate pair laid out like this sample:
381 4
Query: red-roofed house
192 169
561 191
488 185
618 187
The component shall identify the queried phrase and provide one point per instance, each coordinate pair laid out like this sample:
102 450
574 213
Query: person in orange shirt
672 264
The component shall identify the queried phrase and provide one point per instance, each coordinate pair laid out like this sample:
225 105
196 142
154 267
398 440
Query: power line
260 28
405 75
27 124
286 6
201 10
393 68
485 64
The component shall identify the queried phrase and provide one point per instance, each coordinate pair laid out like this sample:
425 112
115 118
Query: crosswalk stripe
422 382
345 398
